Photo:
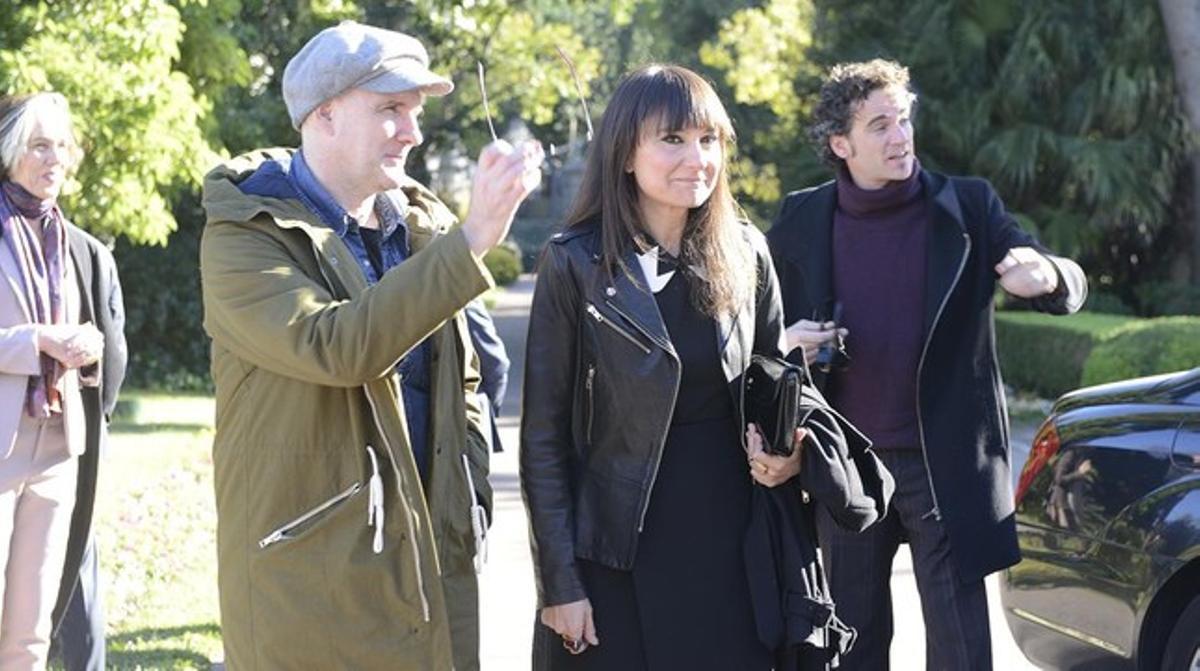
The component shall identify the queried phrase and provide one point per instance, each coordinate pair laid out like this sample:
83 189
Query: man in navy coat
907 260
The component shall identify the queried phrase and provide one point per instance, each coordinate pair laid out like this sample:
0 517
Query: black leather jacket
601 377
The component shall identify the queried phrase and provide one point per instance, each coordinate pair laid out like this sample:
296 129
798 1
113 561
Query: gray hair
17 116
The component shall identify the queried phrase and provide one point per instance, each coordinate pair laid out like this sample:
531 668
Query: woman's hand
770 470
572 621
73 345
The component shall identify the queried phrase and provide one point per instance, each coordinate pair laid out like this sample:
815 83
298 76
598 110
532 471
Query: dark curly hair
847 85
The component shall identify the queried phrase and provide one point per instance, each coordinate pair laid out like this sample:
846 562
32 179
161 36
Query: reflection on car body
1108 517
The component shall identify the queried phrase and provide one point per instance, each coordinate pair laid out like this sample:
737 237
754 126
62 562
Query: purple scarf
37 236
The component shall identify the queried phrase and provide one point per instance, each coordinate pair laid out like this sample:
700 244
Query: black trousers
79 644
859 568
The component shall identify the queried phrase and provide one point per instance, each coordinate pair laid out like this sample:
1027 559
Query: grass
156 529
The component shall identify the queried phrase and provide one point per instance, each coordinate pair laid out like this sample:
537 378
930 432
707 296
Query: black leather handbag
773 391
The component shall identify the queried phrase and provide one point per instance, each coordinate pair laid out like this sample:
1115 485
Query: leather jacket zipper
281 533
591 404
936 512
591 309
662 441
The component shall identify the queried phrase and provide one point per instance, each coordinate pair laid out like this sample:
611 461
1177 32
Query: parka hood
224 200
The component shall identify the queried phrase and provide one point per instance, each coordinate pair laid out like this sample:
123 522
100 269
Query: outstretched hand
1026 273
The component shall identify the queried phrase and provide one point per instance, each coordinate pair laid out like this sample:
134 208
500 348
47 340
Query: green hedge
504 263
1050 355
1145 347
1045 354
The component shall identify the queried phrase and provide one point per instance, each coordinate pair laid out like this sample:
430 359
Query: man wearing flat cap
348 458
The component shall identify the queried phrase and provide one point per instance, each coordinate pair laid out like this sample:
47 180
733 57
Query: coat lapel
12 277
812 251
948 246
81 258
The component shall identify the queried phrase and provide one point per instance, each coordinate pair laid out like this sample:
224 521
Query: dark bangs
676 99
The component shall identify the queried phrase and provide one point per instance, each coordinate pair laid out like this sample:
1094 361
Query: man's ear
323 116
840 144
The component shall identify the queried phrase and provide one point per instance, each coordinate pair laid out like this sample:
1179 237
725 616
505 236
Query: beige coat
19 357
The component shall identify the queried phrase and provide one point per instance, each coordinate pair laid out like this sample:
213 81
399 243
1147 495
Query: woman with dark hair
647 309
43 345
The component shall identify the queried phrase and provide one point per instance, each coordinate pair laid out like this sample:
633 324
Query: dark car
1108 515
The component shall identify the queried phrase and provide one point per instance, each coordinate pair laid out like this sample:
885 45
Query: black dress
685 604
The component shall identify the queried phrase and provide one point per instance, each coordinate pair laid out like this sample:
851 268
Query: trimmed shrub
504 263
1147 347
1046 354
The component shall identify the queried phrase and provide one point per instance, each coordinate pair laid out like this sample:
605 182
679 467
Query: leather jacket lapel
634 301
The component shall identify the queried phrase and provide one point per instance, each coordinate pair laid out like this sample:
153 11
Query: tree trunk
1181 18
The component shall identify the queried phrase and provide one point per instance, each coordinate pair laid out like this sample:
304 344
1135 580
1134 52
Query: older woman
42 346
647 309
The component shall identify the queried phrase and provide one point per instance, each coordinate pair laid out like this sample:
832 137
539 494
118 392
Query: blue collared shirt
377 251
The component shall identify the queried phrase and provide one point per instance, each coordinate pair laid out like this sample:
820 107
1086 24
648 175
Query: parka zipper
281 533
591 405
936 512
413 522
591 309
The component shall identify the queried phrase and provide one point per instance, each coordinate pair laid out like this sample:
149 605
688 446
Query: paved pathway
506 586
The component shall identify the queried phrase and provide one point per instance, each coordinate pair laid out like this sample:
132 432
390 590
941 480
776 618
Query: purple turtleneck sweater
879 251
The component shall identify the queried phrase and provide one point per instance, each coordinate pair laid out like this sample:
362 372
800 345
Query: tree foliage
1068 107
138 117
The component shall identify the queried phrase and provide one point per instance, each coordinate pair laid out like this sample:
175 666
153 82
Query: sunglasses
587 117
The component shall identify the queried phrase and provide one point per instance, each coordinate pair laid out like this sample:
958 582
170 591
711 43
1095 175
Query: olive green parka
332 553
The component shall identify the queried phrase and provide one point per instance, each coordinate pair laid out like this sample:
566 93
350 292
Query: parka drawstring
375 502
413 521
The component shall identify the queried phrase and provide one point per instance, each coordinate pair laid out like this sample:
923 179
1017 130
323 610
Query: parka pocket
310 519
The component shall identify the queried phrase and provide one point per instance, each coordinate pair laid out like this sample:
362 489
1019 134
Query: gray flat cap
353 55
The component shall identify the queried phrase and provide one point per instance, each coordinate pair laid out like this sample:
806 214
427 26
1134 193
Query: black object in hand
832 355
773 401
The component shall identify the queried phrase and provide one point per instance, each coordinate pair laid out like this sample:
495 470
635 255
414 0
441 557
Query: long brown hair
674 98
